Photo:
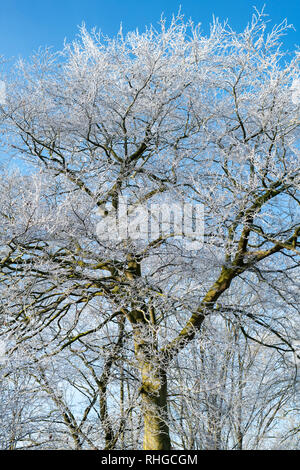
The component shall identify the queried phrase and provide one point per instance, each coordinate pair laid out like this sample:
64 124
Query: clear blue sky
27 24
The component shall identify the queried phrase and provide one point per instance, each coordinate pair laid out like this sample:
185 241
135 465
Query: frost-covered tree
160 116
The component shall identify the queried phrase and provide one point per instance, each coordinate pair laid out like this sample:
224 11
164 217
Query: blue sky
27 24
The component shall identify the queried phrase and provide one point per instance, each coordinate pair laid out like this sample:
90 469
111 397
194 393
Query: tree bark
151 365
154 398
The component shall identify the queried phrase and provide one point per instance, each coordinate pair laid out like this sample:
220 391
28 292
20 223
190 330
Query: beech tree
167 115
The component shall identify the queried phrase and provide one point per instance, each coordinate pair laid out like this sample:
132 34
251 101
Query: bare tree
165 115
228 393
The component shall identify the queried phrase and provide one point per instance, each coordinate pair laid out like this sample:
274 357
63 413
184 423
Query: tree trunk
153 374
154 397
